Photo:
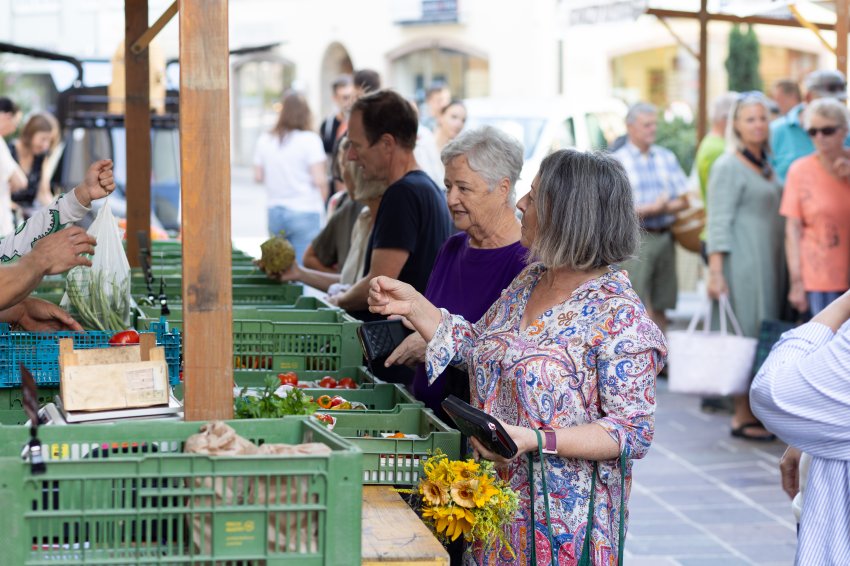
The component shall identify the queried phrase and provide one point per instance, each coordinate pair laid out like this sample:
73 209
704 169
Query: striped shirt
652 174
802 394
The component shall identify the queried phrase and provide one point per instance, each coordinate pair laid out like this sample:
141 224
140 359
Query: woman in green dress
745 234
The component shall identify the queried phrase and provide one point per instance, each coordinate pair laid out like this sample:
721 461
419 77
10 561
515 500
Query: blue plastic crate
39 352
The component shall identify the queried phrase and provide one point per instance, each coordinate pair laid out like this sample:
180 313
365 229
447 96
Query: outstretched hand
389 296
98 183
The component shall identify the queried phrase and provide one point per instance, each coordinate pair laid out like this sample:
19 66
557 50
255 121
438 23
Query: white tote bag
710 363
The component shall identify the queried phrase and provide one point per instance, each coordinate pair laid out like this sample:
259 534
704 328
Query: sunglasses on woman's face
827 131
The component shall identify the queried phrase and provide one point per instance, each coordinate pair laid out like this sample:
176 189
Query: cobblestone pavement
702 498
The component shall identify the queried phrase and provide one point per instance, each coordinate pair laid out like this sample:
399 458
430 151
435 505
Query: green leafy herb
269 405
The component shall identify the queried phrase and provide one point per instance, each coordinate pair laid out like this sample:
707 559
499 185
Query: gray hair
733 138
828 108
585 210
722 105
491 153
639 109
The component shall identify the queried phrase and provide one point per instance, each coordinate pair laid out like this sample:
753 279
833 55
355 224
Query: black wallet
380 337
475 422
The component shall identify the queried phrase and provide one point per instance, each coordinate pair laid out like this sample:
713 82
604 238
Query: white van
544 125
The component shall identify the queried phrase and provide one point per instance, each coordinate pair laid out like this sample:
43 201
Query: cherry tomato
124 338
324 401
347 383
288 378
328 382
302 385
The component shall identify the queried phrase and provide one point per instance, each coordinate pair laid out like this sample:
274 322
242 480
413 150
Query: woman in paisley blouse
568 346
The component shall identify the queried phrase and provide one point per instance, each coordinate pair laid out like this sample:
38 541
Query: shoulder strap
545 500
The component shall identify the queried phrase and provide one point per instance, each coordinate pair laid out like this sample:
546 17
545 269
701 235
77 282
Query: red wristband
550 440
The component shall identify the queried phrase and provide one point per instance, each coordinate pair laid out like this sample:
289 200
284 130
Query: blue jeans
300 227
819 300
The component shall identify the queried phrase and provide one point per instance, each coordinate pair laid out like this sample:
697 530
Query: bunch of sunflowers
464 497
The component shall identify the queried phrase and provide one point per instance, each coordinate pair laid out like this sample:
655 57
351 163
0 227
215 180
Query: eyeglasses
827 131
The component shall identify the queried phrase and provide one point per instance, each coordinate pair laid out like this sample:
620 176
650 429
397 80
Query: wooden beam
150 33
842 22
138 124
712 17
678 38
702 98
811 27
205 190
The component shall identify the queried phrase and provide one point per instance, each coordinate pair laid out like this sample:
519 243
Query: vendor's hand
410 352
60 251
389 296
98 183
524 438
789 470
38 315
717 285
797 297
334 299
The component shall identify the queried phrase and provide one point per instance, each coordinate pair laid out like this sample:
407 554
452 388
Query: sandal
741 432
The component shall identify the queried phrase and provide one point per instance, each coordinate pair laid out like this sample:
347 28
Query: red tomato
328 382
302 385
288 378
347 383
337 400
124 338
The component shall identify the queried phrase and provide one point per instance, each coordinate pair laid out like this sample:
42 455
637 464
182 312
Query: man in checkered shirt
659 187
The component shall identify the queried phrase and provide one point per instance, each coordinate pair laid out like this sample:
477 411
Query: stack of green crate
126 493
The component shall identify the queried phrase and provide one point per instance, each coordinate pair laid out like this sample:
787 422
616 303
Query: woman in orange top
816 204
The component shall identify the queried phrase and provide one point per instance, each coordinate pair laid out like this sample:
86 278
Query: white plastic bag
711 363
99 296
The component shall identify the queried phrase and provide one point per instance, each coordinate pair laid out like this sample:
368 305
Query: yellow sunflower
485 492
465 470
433 493
463 492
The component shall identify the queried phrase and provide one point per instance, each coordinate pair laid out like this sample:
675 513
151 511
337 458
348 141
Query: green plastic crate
12 404
360 375
394 461
295 340
126 494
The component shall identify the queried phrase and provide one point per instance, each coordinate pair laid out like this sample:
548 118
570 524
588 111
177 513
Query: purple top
465 281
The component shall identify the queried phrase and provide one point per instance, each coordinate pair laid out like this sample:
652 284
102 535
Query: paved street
700 498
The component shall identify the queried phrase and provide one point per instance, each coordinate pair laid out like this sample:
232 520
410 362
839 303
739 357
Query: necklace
761 163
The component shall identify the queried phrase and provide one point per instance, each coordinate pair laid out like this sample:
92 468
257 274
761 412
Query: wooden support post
138 125
842 22
145 39
702 111
205 186
811 27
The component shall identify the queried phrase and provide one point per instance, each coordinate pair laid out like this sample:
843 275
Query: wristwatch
550 440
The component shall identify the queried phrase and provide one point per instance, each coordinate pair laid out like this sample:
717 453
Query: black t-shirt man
412 216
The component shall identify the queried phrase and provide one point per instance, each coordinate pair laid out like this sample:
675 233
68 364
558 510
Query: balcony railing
422 12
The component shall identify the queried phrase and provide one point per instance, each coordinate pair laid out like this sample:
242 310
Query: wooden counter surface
393 534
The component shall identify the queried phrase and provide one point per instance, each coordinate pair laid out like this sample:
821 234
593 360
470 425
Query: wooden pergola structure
204 185
842 23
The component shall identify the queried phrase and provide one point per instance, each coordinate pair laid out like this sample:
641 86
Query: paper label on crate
141 380
239 534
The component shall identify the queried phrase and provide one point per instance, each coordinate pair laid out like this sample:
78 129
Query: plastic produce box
126 494
291 340
395 461
39 352
379 398
259 294
361 376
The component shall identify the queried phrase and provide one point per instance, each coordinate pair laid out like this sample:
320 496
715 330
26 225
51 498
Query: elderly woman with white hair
566 353
476 264
745 256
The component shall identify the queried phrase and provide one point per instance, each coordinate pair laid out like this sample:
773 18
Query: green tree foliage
679 137
742 64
